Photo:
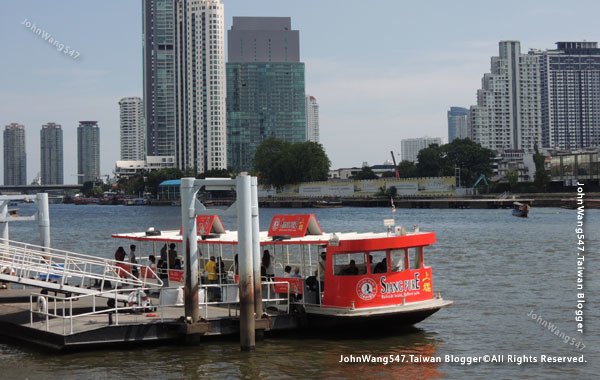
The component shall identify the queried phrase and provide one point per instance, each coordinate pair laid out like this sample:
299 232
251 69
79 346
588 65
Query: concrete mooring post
190 246
4 222
258 306
43 218
245 259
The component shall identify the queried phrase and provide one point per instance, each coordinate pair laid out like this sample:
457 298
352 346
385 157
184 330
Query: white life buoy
42 305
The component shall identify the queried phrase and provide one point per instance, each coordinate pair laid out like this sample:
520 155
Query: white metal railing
50 307
230 297
58 306
41 265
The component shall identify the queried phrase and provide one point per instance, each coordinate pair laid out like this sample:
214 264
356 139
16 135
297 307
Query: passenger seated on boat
177 264
163 273
152 260
287 271
350 270
381 266
172 255
296 272
312 290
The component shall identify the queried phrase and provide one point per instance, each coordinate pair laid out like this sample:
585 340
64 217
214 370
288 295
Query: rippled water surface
496 268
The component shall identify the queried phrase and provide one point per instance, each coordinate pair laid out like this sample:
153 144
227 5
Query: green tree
432 162
154 178
542 178
407 169
365 173
471 158
280 163
513 179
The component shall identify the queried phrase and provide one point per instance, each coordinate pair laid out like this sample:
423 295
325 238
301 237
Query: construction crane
395 166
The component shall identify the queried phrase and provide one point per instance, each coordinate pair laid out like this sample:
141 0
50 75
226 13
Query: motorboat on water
520 210
338 280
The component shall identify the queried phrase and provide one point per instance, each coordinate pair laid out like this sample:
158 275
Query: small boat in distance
520 210
327 203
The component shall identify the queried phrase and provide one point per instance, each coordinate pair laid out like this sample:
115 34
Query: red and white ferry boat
379 280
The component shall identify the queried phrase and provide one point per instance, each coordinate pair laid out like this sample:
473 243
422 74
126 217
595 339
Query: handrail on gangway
69 272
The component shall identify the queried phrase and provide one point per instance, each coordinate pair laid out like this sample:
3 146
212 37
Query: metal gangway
71 273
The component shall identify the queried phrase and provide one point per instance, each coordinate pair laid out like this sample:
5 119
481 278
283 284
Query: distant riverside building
128 168
159 76
508 110
570 86
132 129
265 86
88 151
573 167
15 157
458 123
410 148
312 119
51 154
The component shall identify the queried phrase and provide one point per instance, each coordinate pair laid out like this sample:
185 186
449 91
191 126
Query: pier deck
164 325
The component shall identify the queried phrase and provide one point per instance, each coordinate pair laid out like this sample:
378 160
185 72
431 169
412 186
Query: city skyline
398 83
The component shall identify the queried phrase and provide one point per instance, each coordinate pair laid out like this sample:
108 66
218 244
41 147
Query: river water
499 270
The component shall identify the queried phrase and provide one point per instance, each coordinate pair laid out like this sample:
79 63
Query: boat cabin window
349 264
398 259
378 261
415 257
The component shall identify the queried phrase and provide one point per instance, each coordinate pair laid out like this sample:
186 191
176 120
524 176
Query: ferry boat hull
388 318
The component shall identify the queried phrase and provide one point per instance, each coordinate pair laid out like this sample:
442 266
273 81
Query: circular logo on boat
366 289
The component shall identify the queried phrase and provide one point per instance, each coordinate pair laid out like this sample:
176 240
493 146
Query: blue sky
381 70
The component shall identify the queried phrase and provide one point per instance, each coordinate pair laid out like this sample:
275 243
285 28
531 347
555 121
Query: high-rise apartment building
410 148
184 82
312 119
15 157
570 87
265 86
458 123
133 129
508 112
51 154
88 151
159 76
200 76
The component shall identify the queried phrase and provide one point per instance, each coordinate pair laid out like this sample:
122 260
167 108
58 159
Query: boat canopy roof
231 237
299 229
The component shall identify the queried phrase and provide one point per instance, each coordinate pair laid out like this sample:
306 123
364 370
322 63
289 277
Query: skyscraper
132 129
570 87
410 148
265 86
508 110
51 154
159 76
200 75
15 158
184 82
458 123
88 151
312 119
